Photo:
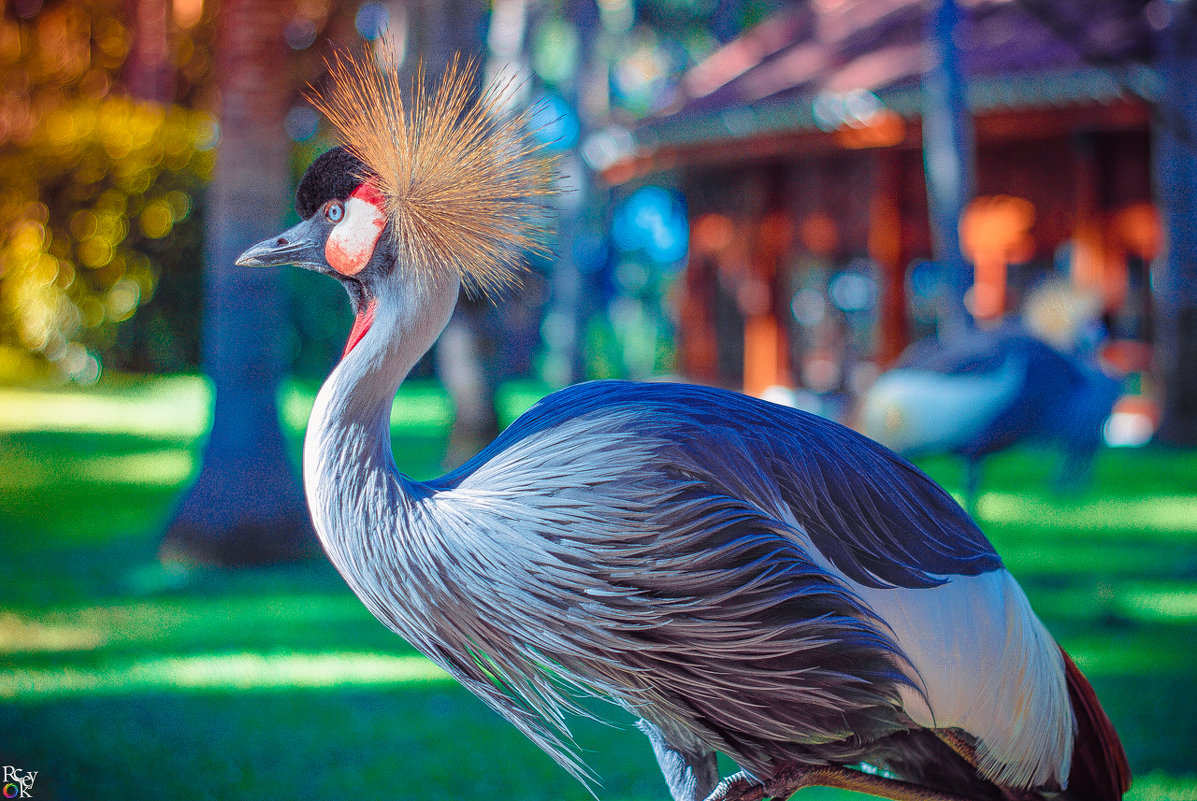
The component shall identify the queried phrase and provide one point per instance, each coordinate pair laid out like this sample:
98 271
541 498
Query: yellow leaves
27 238
64 47
83 224
10 42
92 310
111 226
158 216
129 133
107 230
180 205
130 140
88 195
44 269
111 43
95 183
95 252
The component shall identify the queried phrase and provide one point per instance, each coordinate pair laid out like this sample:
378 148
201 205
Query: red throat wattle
361 324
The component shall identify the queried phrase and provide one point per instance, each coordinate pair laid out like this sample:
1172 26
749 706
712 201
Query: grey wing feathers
644 542
878 518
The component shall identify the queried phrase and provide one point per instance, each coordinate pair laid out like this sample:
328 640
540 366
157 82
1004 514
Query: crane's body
744 578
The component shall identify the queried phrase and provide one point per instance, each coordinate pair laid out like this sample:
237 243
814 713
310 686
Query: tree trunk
464 353
246 507
149 74
1174 284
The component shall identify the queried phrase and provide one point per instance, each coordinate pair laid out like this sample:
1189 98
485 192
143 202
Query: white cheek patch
352 242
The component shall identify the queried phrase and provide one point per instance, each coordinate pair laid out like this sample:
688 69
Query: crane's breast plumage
719 565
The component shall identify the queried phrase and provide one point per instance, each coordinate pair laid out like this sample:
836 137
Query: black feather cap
332 176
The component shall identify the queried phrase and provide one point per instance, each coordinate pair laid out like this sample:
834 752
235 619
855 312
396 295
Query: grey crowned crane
743 578
986 391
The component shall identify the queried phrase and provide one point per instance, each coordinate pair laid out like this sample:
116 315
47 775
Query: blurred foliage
101 237
645 46
101 193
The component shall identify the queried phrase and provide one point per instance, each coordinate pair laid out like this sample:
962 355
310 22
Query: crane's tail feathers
1099 768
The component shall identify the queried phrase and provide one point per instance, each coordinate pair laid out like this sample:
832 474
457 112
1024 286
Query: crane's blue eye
335 211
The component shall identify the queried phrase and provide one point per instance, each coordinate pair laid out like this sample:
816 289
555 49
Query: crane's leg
789 779
690 772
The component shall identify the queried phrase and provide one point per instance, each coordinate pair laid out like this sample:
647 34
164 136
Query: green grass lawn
121 679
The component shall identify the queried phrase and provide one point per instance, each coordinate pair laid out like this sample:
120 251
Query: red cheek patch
352 241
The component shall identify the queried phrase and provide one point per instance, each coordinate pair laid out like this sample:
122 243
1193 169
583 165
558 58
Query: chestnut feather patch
1100 770
464 184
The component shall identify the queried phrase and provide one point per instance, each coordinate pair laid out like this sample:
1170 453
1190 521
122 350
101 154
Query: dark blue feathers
877 518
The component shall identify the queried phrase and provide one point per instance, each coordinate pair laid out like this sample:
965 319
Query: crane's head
433 186
344 234
344 218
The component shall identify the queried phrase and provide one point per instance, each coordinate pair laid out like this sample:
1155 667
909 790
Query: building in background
798 147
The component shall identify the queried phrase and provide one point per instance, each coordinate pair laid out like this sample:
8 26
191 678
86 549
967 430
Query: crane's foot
789 779
738 787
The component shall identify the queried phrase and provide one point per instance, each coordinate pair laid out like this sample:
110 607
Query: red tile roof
880 45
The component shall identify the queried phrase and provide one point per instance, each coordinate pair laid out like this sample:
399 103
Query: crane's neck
349 472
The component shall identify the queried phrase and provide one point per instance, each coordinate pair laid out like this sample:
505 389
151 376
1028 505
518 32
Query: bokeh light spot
180 205
653 219
302 123
95 252
156 219
300 33
371 21
123 299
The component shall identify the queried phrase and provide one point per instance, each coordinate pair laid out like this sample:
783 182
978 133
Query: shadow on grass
409 742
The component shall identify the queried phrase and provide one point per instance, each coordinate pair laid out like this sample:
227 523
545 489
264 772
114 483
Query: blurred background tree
246 506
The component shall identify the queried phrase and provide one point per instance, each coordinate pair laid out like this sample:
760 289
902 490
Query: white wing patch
989 667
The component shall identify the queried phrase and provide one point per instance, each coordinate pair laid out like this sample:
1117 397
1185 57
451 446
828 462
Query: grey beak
301 245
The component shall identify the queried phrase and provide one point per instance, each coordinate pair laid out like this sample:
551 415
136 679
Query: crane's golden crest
463 183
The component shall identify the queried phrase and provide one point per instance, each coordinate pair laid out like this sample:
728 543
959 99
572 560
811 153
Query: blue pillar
948 163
